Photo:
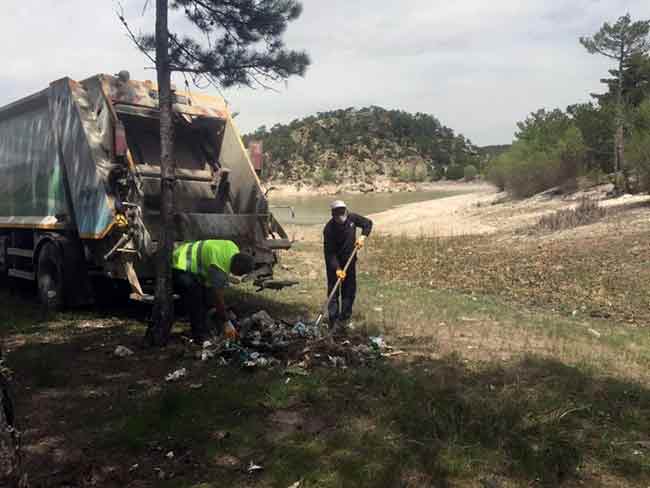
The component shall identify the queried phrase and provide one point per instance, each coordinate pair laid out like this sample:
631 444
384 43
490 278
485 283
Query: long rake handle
336 286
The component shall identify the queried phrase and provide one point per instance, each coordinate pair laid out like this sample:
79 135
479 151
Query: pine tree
241 45
620 42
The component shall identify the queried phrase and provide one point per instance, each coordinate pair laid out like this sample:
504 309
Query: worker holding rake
340 246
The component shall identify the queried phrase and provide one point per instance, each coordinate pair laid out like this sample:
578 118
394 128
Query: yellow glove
360 241
340 274
229 331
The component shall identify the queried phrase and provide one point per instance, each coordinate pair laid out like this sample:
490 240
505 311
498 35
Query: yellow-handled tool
336 287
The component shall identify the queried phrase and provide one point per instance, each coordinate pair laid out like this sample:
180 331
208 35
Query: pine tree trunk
163 314
619 135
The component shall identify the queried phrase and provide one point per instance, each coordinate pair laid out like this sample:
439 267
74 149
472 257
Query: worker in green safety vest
201 270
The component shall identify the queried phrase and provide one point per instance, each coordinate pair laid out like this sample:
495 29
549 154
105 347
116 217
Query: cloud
478 66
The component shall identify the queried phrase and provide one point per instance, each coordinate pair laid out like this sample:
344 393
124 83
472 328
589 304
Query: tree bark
163 314
619 135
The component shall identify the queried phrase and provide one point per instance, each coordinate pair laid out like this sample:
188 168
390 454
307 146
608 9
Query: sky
479 66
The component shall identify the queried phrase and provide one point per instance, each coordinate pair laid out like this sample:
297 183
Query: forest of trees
370 133
605 139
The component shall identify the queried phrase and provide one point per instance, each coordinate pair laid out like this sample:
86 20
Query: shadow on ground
92 419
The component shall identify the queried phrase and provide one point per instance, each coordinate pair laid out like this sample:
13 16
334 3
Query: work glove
360 241
229 331
340 274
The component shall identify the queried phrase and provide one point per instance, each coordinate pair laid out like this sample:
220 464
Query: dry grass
587 212
586 276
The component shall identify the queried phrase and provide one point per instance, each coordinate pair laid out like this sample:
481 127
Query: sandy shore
444 217
480 210
486 211
458 214
290 190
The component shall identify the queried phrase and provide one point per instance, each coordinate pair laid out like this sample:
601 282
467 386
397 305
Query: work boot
339 328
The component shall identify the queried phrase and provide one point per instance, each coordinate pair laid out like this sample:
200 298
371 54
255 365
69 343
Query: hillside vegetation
357 145
608 136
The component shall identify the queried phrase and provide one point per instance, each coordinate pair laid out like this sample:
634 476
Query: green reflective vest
196 257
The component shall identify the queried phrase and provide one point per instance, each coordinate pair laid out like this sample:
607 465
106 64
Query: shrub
470 172
595 176
454 172
638 148
527 168
409 174
435 174
497 175
638 158
325 176
587 212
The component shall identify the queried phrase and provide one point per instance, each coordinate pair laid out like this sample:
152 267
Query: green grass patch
530 420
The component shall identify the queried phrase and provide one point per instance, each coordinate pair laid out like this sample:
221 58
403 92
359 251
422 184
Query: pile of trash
265 342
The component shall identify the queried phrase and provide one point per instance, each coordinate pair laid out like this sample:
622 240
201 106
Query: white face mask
342 218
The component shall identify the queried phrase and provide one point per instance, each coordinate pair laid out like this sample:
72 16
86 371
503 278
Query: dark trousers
195 302
346 293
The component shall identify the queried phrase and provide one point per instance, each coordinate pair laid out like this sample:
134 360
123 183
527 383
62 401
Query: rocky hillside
360 145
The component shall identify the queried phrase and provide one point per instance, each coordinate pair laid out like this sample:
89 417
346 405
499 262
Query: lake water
315 209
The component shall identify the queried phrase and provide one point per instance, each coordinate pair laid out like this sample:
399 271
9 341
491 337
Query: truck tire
50 277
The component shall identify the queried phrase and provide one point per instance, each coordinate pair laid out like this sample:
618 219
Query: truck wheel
50 276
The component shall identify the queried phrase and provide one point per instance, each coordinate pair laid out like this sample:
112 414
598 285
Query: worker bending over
201 272
340 240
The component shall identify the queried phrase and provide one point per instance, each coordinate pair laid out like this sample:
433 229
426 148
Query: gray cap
337 204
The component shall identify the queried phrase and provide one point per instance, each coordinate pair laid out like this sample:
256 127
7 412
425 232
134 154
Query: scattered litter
296 484
393 354
122 352
196 386
287 381
263 318
378 309
265 342
176 375
595 333
378 342
220 435
170 455
303 330
337 361
252 467
133 467
296 371
227 461
206 354
259 362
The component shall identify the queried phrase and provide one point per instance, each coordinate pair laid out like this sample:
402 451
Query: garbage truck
80 187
